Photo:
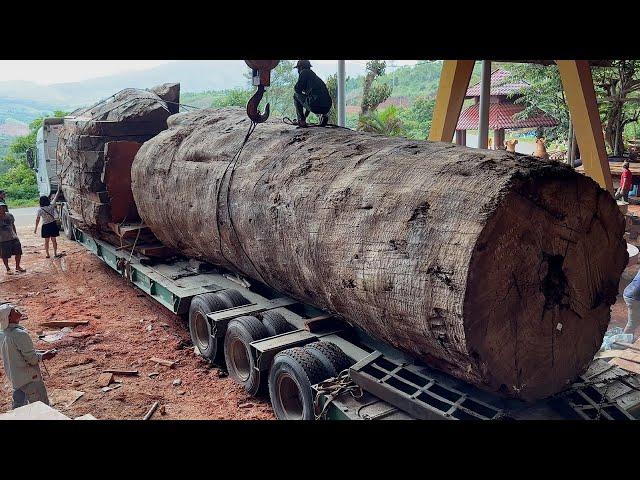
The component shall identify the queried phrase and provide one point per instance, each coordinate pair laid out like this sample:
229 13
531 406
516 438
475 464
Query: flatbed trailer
359 378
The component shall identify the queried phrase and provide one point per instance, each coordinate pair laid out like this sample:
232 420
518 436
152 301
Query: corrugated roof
499 85
501 116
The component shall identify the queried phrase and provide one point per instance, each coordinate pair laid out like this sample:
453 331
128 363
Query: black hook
252 107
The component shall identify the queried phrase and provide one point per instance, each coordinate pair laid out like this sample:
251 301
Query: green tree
332 86
19 181
618 88
417 118
280 93
237 97
374 94
545 92
385 122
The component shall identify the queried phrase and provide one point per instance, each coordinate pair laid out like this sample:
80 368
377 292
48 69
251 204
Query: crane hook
252 107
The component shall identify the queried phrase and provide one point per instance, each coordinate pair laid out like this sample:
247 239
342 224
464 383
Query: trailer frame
394 386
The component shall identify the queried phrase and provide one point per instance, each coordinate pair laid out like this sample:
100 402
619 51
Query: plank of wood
104 379
108 389
117 371
632 346
626 354
64 323
167 363
626 365
155 250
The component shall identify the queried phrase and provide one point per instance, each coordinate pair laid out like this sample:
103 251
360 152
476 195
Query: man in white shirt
20 359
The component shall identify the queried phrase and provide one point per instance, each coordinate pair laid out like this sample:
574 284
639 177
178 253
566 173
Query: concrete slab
34 411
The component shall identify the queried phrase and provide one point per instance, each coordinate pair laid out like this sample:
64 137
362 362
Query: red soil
126 329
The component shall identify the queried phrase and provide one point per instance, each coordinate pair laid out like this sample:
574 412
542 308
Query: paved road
24 216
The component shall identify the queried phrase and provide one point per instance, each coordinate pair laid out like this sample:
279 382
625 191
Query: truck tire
241 332
67 226
233 297
202 337
275 323
292 374
331 356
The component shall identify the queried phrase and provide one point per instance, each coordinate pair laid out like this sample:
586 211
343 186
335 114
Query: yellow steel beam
454 81
577 83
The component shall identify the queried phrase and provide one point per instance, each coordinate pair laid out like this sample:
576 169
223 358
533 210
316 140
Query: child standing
9 242
50 228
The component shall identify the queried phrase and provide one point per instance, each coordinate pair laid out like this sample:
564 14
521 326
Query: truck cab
45 163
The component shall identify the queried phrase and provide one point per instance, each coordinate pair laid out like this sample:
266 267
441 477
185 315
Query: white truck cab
45 163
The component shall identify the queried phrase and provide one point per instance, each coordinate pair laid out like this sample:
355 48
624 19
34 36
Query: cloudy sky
46 72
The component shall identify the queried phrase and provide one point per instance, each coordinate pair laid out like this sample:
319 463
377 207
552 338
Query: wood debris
64 323
104 379
117 371
108 389
149 414
166 363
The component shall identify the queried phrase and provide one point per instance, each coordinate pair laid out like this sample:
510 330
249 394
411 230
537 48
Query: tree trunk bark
495 267
131 115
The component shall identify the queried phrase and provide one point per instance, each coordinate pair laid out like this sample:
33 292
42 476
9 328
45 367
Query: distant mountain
193 75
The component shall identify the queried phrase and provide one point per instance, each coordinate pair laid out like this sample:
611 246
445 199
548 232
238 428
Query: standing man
20 359
9 242
311 93
626 182
631 296
2 195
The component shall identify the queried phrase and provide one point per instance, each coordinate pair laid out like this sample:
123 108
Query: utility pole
485 93
342 102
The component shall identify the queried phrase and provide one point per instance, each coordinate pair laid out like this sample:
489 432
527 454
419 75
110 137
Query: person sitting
9 243
49 215
626 182
20 359
311 93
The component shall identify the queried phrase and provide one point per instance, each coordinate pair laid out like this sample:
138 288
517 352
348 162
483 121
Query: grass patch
22 203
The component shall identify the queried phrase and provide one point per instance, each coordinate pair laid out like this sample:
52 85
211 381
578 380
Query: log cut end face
543 275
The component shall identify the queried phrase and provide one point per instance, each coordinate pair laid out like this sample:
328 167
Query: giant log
495 267
89 166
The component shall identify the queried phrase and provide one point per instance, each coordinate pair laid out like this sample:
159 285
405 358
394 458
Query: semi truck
310 363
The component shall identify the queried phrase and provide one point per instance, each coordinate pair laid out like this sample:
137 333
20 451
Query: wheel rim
202 332
289 397
240 359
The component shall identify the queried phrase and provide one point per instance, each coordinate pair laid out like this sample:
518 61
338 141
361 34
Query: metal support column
577 83
342 102
485 94
454 81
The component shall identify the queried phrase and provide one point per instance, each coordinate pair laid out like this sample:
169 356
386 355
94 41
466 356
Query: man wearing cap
20 359
311 93
9 242
626 182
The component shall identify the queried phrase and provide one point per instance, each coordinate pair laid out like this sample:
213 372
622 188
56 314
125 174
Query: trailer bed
390 385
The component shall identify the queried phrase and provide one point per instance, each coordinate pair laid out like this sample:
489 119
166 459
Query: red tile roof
501 116
499 85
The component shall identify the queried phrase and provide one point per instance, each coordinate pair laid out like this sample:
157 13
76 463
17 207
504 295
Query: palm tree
385 122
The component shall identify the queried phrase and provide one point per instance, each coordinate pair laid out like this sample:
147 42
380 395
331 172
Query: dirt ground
126 329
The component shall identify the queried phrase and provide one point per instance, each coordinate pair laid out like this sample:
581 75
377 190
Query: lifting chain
332 389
